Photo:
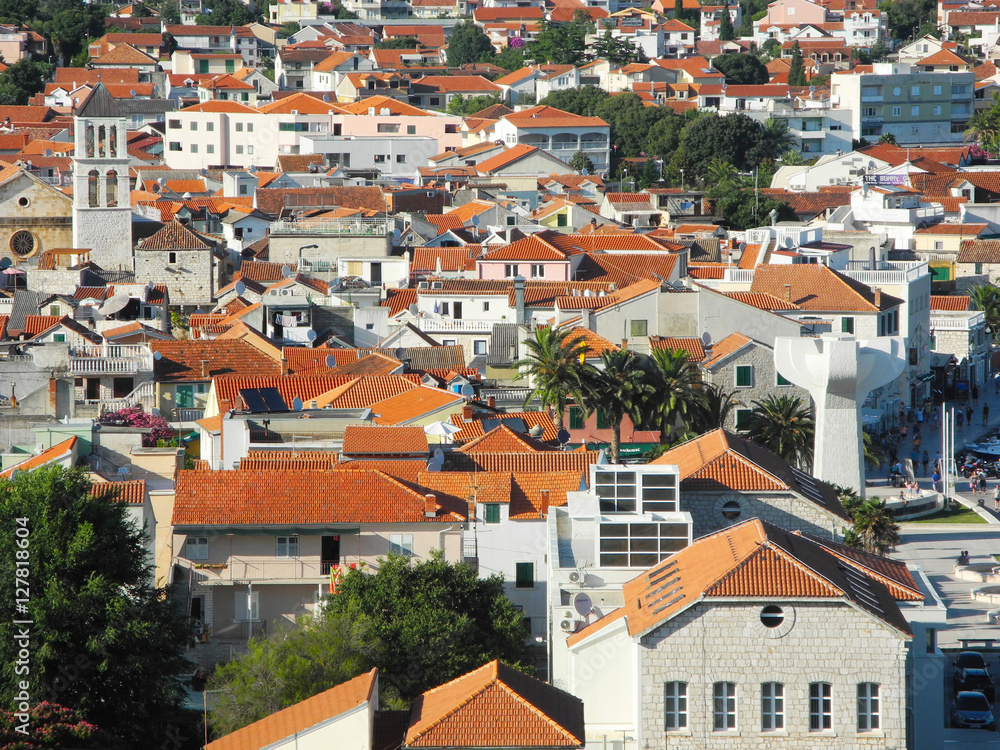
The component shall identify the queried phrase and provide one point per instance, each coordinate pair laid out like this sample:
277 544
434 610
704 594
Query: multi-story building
960 345
915 106
558 133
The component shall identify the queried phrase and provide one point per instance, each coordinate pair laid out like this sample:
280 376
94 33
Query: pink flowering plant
49 726
135 416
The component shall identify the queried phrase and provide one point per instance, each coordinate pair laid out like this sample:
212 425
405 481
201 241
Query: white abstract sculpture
839 371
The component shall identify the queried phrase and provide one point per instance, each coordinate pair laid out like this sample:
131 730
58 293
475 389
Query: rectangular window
174 124
171 257
979 268
562 220
603 423
287 546
659 493
820 707
491 512
616 489
780 379
194 126
575 418
210 148
246 605
59 338
640 545
401 158
743 417
435 101
385 127
486 307
847 324
401 544
446 308
524 575
915 111
479 346
868 708
249 149
939 244
638 328
210 127
937 91
239 149
744 376
724 706
914 91
937 109
772 706
249 127
675 704
175 146
897 111
53 309
411 129
537 270
239 127
196 548
509 270
194 148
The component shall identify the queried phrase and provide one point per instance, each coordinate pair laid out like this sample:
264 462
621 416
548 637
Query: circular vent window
23 202
22 243
772 616
731 510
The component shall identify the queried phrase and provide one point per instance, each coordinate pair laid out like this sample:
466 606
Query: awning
12 271
191 436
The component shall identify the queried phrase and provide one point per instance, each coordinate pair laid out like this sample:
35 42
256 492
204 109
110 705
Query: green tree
873 530
650 174
509 58
285 668
796 70
580 101
733 138
226 13
581 163
431 621
906 16
726 31
618 50
104 641
983 128
785 426
771 48
399 42
879 51
986 297
630 121
289 29
888 138
459 105
468 44
562 44
554 367
714 406
618 388
70 28
676 385
679 9
741 68
170 11
22 80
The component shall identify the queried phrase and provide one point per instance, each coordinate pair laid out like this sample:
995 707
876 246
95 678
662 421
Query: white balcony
244 568
355 227
457 326
899 272
959 321
110 360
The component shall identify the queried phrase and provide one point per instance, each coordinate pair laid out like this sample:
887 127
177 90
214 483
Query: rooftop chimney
467 412
545 500
878 298
585 317
430 505
788 292
491 402
204 368
284 366
519 300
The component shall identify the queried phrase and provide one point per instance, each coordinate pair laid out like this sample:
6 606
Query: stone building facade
714 510
34 217
183 260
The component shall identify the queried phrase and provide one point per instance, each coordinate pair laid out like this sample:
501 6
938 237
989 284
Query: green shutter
524 575
781 379
744 376
602 420
492 512
743 419
847 325
203 66
575 418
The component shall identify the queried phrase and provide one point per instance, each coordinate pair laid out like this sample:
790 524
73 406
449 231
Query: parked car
972 710
968 679
971 660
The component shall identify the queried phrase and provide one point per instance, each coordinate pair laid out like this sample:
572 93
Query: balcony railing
187 414
253 568
359 227
958 322
441 324
110 360
902 272
742 275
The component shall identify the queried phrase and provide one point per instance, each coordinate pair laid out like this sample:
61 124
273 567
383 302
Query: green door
230 66
203 66
185 396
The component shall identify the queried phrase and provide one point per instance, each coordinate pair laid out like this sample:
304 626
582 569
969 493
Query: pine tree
726 31
678 9
797 71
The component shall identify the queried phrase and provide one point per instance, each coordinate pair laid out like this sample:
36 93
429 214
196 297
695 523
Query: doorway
329 553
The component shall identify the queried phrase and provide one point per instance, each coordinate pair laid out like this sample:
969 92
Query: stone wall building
34 217
185 261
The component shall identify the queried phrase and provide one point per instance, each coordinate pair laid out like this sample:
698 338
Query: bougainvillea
49 726
135 416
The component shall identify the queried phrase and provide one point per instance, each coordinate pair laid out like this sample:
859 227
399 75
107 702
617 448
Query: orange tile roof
502 439
979 251
371 364
182 360
419 402
623 269
407 470
473 428
522 463
496 706
270 497
529 495
752 559
55 453
132 492
950 303
550 117
726 347
304 104
817 287
960 230
690 345
762 300
399 300
364 440
505 158
302 716
362 392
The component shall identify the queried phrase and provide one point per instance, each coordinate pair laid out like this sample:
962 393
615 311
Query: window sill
678 732
774 733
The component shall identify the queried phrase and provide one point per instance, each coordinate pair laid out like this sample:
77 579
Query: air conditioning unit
568 625
578 576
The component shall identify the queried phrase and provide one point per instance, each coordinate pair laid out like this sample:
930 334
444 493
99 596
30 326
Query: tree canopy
741 68
468 43
105 641
734 138
562 44
459 105
226 13
796 69
22 80
618 50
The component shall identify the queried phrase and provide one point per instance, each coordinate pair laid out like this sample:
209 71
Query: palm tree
618 388
714 407
677 384
983 128
556 372
783 425
776 138
719 171
874 529
986 297
888 138
873 451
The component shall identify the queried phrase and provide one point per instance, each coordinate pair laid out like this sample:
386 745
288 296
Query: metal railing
143 395
351 227
188 414
743 275
441 324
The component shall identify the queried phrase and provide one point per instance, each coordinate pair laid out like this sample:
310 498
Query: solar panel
254 401
491 424
274 400
515 423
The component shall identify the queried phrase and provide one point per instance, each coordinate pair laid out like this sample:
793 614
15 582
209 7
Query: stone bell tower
102 212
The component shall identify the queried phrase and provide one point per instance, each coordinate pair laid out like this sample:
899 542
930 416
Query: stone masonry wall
190 278
782 509
817 642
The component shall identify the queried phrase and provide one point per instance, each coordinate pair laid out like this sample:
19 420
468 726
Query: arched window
102 144
113 141
111 188
89 138
93 178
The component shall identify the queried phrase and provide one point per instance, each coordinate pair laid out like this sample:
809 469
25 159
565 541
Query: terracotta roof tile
817 287
182 360
960 230
55 453
951 303
496 706
762 300
302 716
726 347
267 498
406 470
175 236
384 441
502 439
522 463
690 345
419 402
132 492
473 428
529 495
979 251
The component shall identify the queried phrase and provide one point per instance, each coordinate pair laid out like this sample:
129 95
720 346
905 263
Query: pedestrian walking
935 478
920 416
982 481
996 497
925 460
902 498
986 414
968 414
937 461
916 444
934 417
902 433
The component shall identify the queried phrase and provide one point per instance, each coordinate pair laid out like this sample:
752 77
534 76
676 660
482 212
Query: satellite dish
150 286
331 361
202 171
743 246
412 309
447 176
537 431
400 353
4 263
311 334
161 181
157 356
240 288
132 93
475 221
468 391
286 271
583 604
706 339
563 436
253 169
326 97
296 404
114 304
15 474
48 152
